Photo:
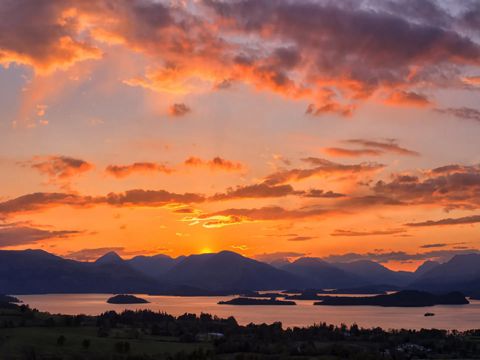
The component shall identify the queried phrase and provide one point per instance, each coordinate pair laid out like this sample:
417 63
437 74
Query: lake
459 317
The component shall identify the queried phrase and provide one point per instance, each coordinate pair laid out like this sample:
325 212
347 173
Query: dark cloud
33 33
138 197
369 148
324 168
317 193
121 171
433 246
449 221
355 233
401 256
14 235
389 145
300 238
141 197
39 201
461 113
59 168
403 47
179 110
255 191
452 186
388 44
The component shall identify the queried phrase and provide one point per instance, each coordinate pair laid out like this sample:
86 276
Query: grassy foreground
28 334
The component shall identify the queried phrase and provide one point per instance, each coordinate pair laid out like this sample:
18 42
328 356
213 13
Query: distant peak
228 253
309 261
109 258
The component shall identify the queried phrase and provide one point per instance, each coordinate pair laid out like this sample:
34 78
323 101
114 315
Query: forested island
26 333
406 298
126 299
253 301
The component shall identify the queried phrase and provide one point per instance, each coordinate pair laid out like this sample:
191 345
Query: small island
406 298
250 301
126 299
8 299
305 295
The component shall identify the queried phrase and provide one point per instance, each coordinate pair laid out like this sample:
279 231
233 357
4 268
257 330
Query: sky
345 130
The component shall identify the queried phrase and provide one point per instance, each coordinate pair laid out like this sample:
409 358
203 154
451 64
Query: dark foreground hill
147 335
406 298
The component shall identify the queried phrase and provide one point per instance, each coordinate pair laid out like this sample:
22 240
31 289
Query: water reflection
446 316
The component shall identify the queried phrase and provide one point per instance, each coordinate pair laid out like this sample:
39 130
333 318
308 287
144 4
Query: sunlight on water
446 316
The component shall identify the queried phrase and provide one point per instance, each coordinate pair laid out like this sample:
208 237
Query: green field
27 334
19 343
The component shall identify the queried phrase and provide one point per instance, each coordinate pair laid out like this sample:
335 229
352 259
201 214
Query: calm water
461 317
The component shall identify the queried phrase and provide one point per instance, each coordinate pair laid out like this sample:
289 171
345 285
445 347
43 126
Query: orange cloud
255 191
452 187
322 168
217 163
149 198
350 233
17 234
448 221
369 148
121 171
341 152
207 43
407 98
60 167
472 80
264 214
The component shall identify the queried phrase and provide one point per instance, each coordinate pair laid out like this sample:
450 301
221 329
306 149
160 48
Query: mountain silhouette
426 267
229 270
321 274
109 258
226 272
461 273
154 266
375 273
38 272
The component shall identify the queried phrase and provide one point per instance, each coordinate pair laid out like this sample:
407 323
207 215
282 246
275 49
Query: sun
205 250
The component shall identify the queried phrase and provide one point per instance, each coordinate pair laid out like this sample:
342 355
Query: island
405 298
126 299
256 294
363 290
250 301
8 299
305 295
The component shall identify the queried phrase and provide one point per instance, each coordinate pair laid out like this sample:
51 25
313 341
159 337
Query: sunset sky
277 129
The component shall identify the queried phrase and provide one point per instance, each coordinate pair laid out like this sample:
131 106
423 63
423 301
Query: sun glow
206 250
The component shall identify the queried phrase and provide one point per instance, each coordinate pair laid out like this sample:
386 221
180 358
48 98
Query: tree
86 344
61 340
122 347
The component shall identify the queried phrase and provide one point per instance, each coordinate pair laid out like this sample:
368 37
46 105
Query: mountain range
226 272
